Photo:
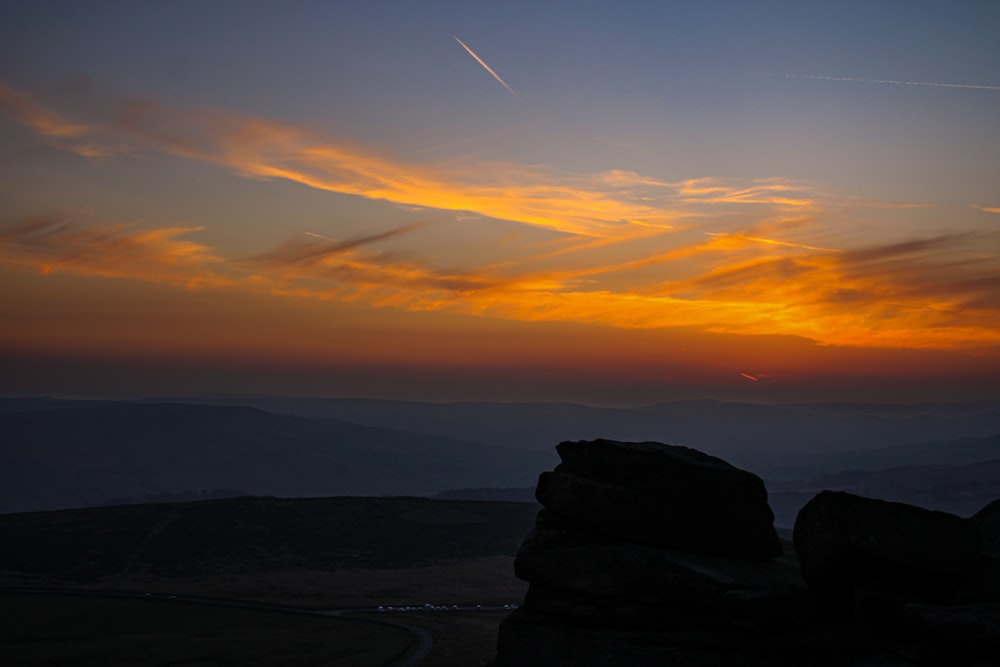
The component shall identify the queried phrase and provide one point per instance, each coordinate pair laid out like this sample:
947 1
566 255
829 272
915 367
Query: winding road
415 654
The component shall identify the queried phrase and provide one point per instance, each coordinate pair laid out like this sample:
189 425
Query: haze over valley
75 453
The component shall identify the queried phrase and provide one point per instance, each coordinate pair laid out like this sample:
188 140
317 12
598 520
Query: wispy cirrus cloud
79 138
62 243
616 204
917 294
303 252
922 293
780 192
265 148
326 268
633 251
25 108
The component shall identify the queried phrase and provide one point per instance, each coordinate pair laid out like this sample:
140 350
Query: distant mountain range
62 453
775 441
63 456
959 489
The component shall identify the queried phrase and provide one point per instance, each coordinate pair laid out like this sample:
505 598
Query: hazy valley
61 454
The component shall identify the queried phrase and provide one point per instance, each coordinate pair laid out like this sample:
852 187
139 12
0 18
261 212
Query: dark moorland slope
246 535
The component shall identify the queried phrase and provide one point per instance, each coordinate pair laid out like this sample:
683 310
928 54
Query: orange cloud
58 243
78 138
635 254
43 120
264 148
918 294
760 191
891 296
615 204
738 238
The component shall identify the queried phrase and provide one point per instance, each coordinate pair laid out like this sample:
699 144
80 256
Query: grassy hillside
318 553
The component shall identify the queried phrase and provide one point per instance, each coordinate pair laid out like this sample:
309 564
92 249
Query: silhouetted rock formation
662 495
648 554
644 550
854 550
988 520
578 574
905 573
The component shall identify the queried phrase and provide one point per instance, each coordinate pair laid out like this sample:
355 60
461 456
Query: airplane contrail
483 63
893 82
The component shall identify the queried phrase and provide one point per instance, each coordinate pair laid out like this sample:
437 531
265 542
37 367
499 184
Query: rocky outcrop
579 574
905 573
645 551
649 554
661 495
988 520
848 543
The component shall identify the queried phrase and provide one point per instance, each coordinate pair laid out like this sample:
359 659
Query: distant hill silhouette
62 453
524 494
959 489
955 451
62 457
788 441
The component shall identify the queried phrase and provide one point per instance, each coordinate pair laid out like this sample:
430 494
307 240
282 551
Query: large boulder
575 573
983 585
662 495
988 520
893 552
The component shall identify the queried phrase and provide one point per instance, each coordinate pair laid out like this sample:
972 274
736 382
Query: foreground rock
648 554
854 549
579 574
988 519
662 495
912 575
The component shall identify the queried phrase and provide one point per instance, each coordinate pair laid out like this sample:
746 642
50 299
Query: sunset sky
612 203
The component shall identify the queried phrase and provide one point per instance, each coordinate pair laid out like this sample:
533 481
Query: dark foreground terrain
84 631
319 553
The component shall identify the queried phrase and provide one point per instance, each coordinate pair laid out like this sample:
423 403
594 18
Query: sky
610 203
